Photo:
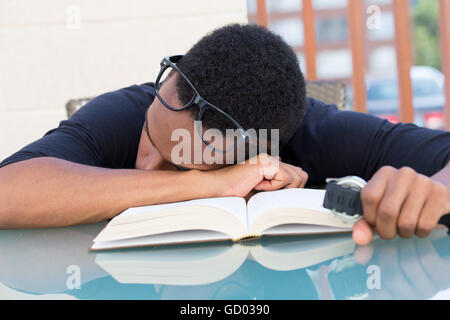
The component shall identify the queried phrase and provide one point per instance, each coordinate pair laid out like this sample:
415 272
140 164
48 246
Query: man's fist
400 202
260 173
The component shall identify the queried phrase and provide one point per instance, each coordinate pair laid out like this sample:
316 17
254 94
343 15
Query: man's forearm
49 192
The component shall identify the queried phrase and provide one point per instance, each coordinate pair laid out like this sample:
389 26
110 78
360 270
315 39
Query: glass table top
56 264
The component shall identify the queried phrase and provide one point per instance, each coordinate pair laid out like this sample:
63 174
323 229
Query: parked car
428 97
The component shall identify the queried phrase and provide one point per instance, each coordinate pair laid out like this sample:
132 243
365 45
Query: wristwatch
342 197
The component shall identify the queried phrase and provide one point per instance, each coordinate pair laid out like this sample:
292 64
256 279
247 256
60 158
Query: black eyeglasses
168 68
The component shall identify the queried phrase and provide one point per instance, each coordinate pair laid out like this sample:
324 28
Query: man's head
246 71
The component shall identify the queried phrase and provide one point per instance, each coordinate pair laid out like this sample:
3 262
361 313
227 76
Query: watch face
350 186
353 182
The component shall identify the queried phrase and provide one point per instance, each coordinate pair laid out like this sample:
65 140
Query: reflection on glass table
56 263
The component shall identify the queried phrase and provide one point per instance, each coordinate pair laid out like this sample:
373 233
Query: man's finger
373 192
432 211
269 167
296 179
362 233
302 175
411 209
274 181
390 205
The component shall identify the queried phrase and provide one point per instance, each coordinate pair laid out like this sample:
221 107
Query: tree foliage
426 33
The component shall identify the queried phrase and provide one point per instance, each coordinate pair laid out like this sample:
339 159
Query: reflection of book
283 212
198 264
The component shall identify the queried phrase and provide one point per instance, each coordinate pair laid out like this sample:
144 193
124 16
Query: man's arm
334 143
48 192
406 167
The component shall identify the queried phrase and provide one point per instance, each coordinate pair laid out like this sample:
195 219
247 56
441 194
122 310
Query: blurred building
334 57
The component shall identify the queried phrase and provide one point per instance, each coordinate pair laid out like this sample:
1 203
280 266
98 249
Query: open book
282 212
199 264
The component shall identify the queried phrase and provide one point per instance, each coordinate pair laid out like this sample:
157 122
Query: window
334 63
369 2
327 4
302 62
383 59
284 5
331 29
251 6
291 30
386 28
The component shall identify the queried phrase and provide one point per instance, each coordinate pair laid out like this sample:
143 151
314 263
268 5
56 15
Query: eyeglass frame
197 99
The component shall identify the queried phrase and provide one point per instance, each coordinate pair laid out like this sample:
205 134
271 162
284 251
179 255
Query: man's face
155 153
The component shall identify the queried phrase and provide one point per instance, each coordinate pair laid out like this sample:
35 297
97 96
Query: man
117 151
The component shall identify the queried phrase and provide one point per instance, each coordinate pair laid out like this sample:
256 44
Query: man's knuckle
289 179
407 223
406 226
422 233
386 235
439 190
425 227
423 181
370 219
305 175
408 171
369 196
388 210
387 169
405 233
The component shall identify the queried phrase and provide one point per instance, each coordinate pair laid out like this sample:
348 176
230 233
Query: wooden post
444 25
403 48
310 40
261 13
356 32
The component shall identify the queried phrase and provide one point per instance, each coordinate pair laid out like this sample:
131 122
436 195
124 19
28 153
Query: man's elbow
4 214
6 210
4 218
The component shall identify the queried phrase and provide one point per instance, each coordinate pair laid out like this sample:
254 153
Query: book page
225 215
291 206
302 229
178 237
233 205
287 198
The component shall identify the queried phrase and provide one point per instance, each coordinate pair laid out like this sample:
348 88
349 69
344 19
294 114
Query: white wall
55 50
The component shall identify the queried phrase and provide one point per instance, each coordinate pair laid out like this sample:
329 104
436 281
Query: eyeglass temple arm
175 58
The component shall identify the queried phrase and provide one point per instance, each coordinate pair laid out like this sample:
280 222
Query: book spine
247 238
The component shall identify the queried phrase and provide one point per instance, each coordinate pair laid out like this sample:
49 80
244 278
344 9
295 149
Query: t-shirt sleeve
103 133
335 143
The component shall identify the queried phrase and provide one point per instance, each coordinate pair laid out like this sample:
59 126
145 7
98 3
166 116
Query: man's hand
400 202
261 173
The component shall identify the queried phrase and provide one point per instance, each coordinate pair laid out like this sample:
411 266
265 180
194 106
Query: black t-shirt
328 143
